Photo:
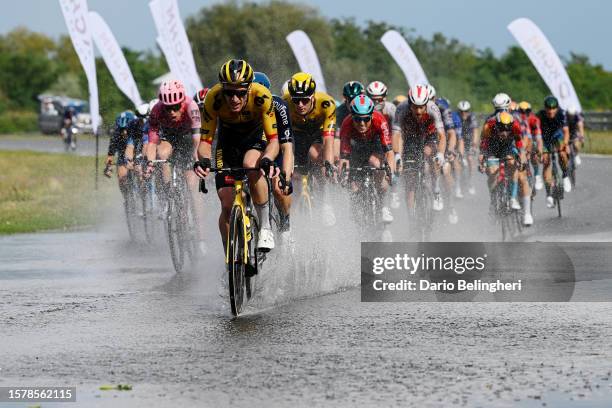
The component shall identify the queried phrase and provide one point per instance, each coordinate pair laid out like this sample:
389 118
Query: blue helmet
443 103
123 119
262 79
362 105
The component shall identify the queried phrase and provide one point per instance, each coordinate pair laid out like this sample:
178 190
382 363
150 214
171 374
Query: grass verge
41 191
598 142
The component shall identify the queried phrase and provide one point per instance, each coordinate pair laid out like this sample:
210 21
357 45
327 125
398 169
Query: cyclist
418 133
246 137
350 90
555 135
313 120
532 123
282 184
399 99
365 140
501 102
122 144
450 156
502 139
469 139
575 121
199 97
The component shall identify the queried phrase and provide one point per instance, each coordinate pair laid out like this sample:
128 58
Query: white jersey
388 109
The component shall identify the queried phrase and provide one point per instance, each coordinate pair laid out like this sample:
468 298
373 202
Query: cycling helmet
443 103
262 79
572 110
236 72
513 106
351 89
501 101
504 120
142 111
376 88
285 89
524 106
399 99
419 94
551 102
362 105
432 91
123 119
302 85
171 92
200 96
464 106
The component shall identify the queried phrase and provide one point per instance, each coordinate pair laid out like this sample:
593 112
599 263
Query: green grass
598 142
41 191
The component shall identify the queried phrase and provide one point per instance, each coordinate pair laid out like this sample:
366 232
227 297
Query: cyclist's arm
566 135
436 115
329 128
345 140
396 135
208 126
196 124
268 117
580 126
386 143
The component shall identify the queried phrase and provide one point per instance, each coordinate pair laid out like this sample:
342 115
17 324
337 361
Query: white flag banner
405 58
306 57
546 61
113 57
75 14
175 44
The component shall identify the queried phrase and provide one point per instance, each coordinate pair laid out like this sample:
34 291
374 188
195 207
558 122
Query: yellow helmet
399 99
524 106
302 84
285 89
236 72
504 119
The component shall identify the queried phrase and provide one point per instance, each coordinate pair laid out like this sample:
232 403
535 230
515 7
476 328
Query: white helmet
419 94
432 91
376 88
142 110
152 103
464 106
572 110
501 101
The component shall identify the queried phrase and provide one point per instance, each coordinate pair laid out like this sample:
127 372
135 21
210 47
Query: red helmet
200 96
171 92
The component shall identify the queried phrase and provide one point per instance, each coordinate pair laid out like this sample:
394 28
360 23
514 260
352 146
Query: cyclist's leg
412 152
122 178
284 201
164 152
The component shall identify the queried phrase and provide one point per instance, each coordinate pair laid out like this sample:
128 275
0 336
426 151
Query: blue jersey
283 120
457 124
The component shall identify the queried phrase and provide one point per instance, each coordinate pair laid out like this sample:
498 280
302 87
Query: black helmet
550 102
352 88
236 72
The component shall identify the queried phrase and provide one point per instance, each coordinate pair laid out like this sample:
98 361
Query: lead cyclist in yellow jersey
247 137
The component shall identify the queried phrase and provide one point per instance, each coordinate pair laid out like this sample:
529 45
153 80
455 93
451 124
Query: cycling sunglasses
364 119
173 108
304 100
240 93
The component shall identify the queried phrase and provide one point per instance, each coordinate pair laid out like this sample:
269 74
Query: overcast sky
582 27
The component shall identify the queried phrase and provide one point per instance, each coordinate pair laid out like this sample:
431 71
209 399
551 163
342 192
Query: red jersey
533 123
379 129
493 137
161 119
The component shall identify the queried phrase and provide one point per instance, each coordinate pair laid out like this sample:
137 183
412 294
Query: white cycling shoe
514 203
265 242
539 182
453 218
577 160
458 192
567 184
550 203
395 200
386 215
472 190
438 204
528 219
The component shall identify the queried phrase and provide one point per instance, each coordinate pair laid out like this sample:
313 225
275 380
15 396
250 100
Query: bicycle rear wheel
236 264
129 204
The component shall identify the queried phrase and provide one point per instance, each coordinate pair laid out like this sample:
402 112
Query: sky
585 27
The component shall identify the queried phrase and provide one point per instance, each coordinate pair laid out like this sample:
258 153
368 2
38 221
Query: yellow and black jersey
257 113
322 117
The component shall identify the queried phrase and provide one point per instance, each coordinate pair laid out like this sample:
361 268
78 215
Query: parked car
53 108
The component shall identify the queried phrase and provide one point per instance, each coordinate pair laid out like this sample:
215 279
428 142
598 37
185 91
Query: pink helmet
419 94
171 92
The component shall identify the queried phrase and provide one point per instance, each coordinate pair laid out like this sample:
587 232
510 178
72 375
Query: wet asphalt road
89 308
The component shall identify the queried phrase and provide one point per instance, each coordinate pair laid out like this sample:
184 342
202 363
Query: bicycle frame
239 201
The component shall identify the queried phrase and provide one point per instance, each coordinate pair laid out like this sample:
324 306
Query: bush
18 121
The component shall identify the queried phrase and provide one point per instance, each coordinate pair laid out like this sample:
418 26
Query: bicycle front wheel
235 261
175 233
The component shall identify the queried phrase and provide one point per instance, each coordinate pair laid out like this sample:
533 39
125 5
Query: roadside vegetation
598 142
41 191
